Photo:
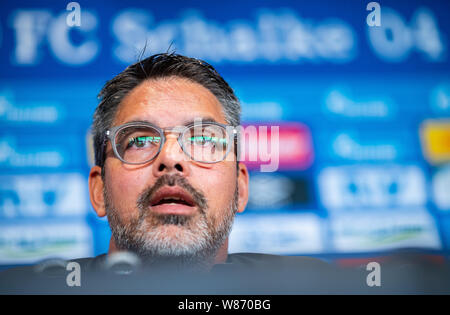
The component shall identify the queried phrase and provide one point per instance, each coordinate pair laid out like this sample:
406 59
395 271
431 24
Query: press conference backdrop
363 114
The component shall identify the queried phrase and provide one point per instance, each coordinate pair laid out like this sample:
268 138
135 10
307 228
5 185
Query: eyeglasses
141 142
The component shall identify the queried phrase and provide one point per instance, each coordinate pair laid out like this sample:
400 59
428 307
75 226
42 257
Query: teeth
171 198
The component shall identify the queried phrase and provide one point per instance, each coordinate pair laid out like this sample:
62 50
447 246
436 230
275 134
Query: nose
171 159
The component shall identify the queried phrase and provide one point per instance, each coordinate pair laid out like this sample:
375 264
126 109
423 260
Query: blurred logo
295 149
270 192
346 146
394 40
435 138
382 229
277 234
372 186
441 188
369 143
45 195
27 243
10 156
25 113
275 35
34 28
339 103
440 99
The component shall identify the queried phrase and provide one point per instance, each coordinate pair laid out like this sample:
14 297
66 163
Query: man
167 172
168 178
168 198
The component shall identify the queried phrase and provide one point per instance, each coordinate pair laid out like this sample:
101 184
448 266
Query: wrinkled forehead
169 102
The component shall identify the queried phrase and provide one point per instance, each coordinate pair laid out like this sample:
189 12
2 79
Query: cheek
125 188
219 186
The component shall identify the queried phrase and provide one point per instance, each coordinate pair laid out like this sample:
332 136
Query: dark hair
155 67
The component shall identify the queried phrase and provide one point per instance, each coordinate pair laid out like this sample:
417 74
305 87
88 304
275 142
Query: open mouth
173 200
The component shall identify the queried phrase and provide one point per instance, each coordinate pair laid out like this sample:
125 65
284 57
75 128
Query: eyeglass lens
204 143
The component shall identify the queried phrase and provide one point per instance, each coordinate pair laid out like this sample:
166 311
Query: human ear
242 182
96 186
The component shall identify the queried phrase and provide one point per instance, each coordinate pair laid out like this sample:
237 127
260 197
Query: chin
173 238
173 232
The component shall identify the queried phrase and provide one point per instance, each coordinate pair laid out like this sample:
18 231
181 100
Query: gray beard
194 245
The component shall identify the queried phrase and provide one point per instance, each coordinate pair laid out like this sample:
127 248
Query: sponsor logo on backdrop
43 195
11 156
435 138
269 35
361 230
30 242
368 186
277 234
340 103
397 38
347 146
294 146
368 143
440 99
12 112
274 35
441 188
36 28
27 150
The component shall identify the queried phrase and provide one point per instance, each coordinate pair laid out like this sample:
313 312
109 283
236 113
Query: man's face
195 229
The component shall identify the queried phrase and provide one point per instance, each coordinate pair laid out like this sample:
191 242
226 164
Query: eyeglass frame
111 134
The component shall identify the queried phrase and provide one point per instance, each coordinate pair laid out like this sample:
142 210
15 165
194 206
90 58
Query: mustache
144 200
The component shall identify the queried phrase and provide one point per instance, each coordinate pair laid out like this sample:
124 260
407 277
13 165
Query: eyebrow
203 119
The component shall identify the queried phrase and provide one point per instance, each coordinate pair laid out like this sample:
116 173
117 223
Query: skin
166 103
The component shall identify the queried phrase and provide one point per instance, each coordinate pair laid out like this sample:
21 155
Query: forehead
169 102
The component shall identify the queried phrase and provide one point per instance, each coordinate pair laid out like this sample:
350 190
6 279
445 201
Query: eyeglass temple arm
103 147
